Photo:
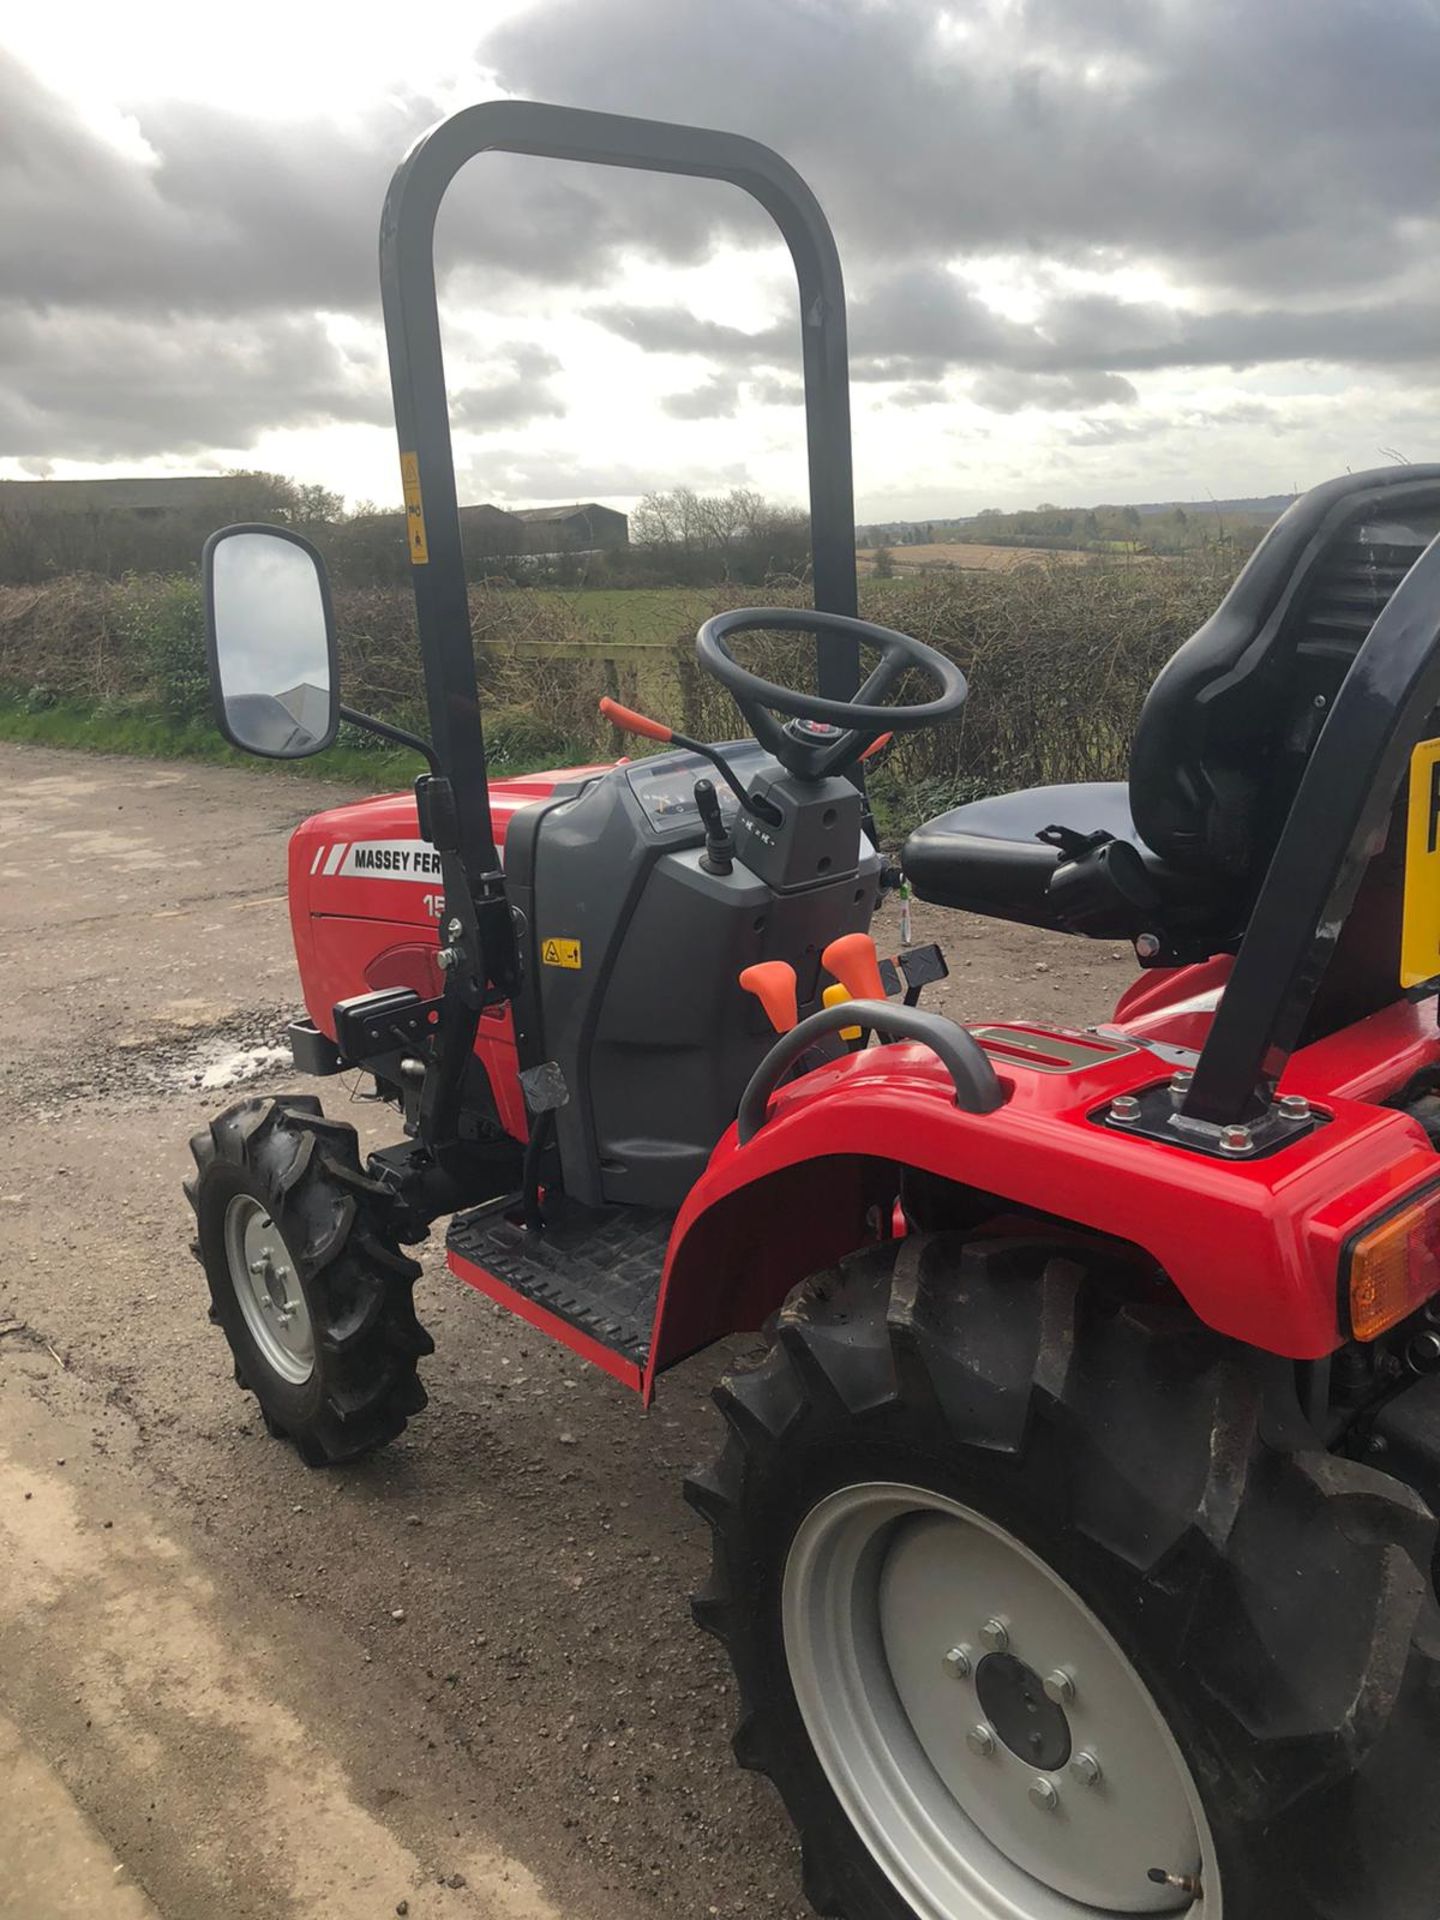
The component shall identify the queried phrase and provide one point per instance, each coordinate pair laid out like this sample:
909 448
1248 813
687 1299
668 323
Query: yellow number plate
1420 938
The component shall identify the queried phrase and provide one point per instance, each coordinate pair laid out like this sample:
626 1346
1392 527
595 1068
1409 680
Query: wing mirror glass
271 637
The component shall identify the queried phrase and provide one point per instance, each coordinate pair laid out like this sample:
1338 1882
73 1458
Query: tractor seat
1221 743
986 858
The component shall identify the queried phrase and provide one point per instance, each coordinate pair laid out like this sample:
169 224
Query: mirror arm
400 735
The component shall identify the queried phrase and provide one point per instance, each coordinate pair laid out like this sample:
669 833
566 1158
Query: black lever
719 854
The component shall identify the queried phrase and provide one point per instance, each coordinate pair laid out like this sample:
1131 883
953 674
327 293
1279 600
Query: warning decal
414 510
560 953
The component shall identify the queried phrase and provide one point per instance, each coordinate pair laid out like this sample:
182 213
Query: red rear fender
1255 1246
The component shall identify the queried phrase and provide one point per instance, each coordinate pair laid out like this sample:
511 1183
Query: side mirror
270 633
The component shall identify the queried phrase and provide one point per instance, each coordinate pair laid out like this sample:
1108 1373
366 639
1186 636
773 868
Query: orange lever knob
856 965
629 721
877 746
773 984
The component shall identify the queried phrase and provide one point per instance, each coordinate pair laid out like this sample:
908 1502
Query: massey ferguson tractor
1073 1540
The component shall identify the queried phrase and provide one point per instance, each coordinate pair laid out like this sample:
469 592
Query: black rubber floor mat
597 1268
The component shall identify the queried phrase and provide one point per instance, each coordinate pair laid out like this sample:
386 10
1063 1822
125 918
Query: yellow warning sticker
414 510
560 953
1420 933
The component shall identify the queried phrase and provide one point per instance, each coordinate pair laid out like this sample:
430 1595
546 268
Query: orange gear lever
877 746
856 965
629 721
773 984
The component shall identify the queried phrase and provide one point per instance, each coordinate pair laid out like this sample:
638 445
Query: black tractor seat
1179 850
987 856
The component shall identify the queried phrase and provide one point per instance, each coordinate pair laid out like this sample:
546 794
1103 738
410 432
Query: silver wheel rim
894 1598
268 1290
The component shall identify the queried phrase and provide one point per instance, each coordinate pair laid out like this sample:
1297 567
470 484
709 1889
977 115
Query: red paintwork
1254 1247
356 932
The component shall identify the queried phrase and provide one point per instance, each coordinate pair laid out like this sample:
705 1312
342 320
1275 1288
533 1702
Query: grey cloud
519 396
717 399
92 386
1008 391
1281 162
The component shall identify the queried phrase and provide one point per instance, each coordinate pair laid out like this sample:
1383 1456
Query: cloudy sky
1095 249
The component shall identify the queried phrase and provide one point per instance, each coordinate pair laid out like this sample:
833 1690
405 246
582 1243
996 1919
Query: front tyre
1044 1607
307 1279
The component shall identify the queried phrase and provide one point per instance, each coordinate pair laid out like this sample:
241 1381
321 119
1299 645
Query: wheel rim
920 1638
268 1290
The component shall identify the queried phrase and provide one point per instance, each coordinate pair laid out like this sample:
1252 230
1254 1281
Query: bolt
1043 1794
454 928
1236 1140
960 1662
1425 1351
447 958
1180 1082
282 1273
1060 1688
996 1636
1125 1110
1293 1106
257 1267
1147 946
1086 1769
981 1741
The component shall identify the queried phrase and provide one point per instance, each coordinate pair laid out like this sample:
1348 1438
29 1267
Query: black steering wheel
827 736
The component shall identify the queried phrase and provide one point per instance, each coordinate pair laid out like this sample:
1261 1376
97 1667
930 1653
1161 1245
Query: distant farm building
582 527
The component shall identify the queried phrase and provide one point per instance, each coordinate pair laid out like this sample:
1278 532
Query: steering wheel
827 736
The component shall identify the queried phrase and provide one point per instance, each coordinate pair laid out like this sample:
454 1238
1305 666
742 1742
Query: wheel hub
1012 1698
1037 1780
267 1290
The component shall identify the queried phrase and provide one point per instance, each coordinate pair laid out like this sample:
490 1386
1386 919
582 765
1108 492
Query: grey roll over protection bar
977 1086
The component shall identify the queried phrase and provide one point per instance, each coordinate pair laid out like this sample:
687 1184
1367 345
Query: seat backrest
1230 721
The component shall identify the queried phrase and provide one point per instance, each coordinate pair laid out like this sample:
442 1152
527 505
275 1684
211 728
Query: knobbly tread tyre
357 1282
1276 1600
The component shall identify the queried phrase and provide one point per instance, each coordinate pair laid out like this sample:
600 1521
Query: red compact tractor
1073 1541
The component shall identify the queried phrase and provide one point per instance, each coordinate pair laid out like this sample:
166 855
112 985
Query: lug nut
996 1636
1293 1106
1236 1140
1086 1769
1043 1795
981 1741
257 1267
1060 1688
960 1662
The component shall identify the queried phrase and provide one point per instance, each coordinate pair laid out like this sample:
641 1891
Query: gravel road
460 1676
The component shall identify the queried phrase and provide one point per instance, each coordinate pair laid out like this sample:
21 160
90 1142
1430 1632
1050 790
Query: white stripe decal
319 856
337 854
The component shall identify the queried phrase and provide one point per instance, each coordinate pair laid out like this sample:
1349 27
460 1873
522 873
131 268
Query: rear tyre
1030 1595
307 1279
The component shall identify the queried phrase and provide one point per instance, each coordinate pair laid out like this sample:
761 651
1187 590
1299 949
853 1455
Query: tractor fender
1255 1246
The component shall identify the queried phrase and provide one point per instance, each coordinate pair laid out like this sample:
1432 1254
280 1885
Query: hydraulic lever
719 854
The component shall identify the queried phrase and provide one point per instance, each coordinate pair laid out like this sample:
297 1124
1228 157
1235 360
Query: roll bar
412 329
1335 822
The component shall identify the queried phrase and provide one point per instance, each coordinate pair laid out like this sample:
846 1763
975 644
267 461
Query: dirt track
199 1634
